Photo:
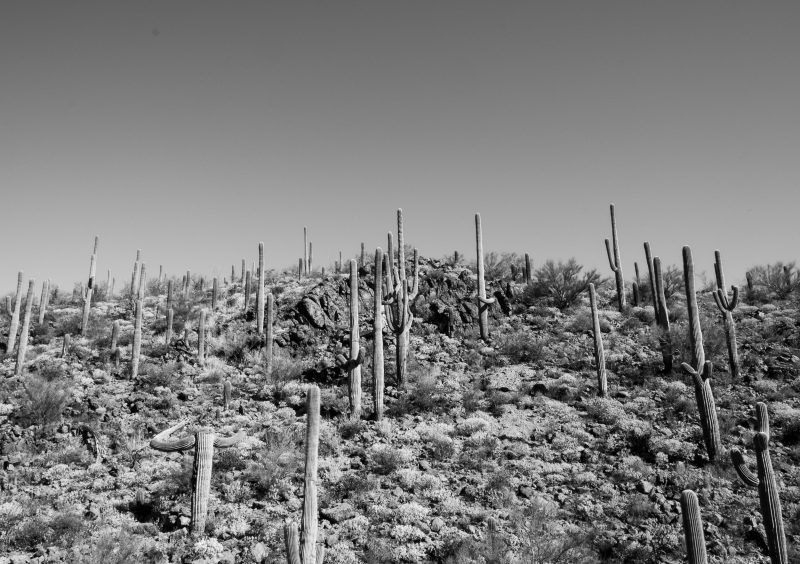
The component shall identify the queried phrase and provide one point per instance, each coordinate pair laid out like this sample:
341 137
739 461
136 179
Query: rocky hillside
493 452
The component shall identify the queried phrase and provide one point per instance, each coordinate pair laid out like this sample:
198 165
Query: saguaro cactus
14 325
599 355
767 485
204 441
214 293
662 316
706 407
137 340
527 268
635 287
483 301
377 341
140 292
260 291
693 528
23 334
305 550
226 395
614 261
247 290
168 332
114 335
87 299
169 294
361 263
726 308
44 300
65 346
354 381
400 293
310 255
201 338
305 250
695 332
135 274
269 338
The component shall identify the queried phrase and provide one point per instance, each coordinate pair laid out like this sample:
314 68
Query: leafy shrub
521 346
561 283
44 403
280 458
386 460
776 279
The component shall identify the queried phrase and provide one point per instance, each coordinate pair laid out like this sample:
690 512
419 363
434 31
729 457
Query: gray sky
193 130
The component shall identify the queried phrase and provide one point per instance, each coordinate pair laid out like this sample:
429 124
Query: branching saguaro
614 261
14 325
377 340
23 334
706 407
599 355
726 307
693 528
483 301
301 547
400 293
204 441
662 317
767 485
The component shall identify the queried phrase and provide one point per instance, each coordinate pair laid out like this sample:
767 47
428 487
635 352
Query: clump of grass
45 401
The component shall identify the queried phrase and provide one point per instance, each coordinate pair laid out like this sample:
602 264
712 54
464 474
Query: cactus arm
762 418
614 267
320 554
693 528
292 539
742 470
163 442
486 301
735 299
226 442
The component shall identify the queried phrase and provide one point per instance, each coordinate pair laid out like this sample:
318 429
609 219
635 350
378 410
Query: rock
437 524
313 312
259 552
644 487
338 513
331 539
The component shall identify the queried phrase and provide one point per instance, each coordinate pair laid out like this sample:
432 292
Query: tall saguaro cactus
527 268
44 300
201 338
269 339
214 293
695 332
247 291
483 301
12 328
260 291
693 528
614 261
23 334
599 355
301 548
706 407
662 316
136 348
400 293
305 251
204 441
767 485
87 298
377 340
354 382
726 308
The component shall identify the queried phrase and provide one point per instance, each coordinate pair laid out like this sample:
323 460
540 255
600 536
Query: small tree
562 283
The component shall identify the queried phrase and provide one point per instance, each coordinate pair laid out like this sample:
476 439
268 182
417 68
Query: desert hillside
498 449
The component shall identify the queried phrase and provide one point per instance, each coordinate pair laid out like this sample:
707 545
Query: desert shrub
117 547
583 322
546 539
605 410
385 460
521 346
350 428
69 324
561 283
60 529
773 279
227 460
498 265
152 375
280 458
45 401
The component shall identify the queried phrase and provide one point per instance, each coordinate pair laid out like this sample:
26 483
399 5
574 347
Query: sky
194 130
